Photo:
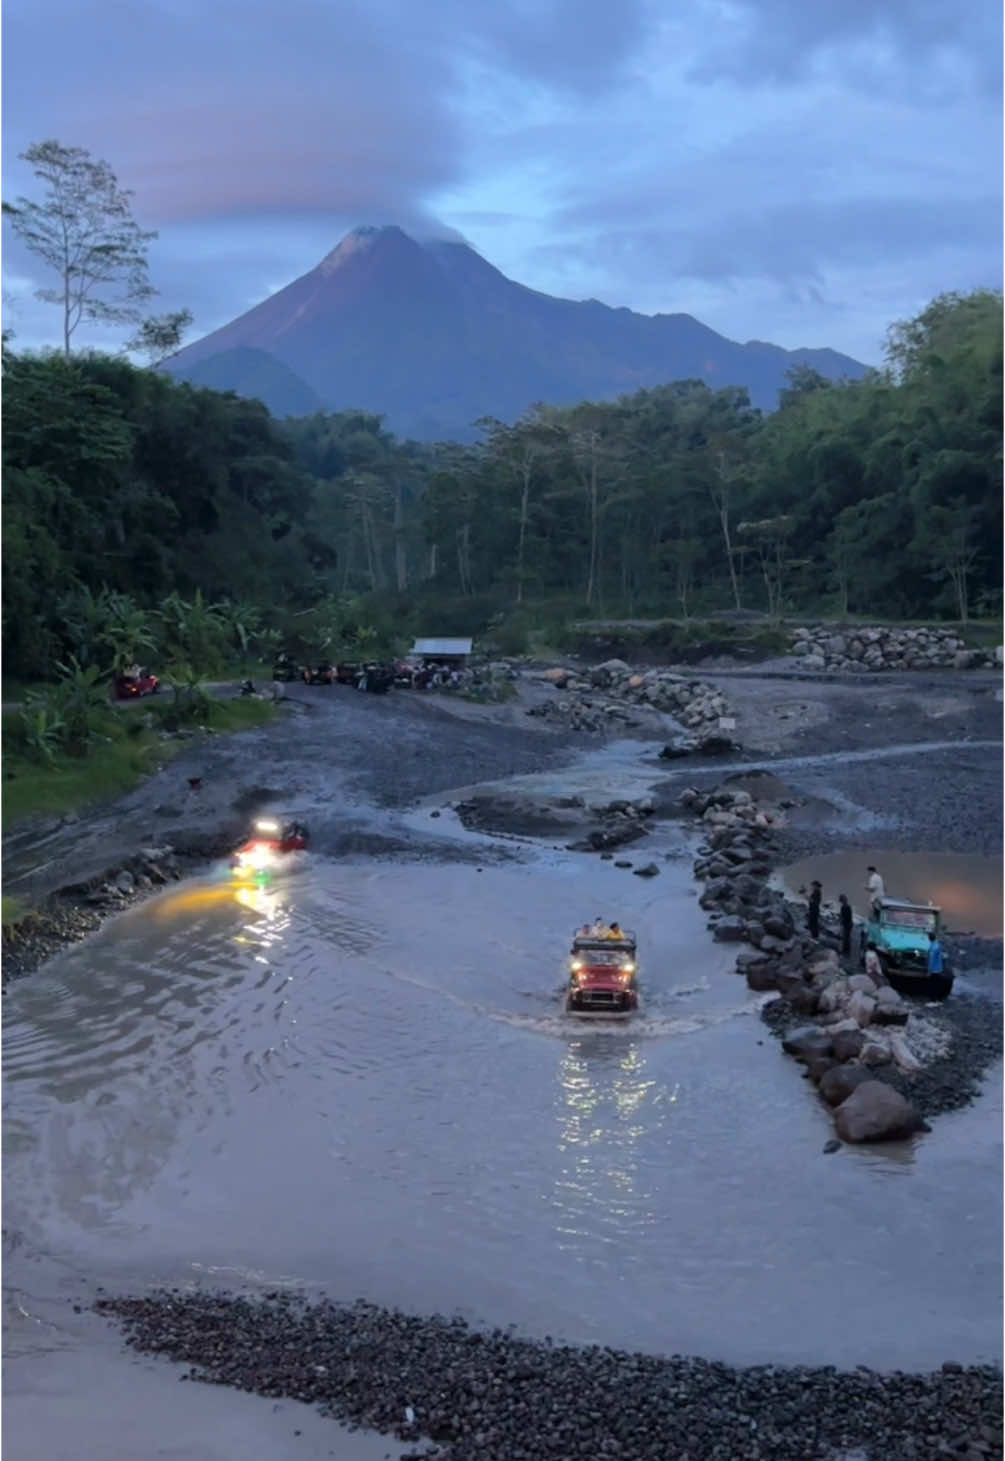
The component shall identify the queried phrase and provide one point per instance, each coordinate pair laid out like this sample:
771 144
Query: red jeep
131 687
602 976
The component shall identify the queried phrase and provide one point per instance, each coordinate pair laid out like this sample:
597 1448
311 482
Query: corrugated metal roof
442 646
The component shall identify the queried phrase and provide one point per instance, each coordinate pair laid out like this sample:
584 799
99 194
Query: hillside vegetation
144 517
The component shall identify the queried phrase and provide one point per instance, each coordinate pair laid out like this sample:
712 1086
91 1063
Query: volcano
432 336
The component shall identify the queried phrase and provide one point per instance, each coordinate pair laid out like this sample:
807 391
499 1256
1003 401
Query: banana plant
40 728
129 637
81 702
196 629
191 700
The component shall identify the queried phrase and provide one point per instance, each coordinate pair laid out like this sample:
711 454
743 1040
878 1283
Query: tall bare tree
84 231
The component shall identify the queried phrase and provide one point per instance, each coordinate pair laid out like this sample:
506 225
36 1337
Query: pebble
495 1397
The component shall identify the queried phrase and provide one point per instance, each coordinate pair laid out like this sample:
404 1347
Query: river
360 1079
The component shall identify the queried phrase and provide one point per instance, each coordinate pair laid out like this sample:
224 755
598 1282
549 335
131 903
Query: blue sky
783 170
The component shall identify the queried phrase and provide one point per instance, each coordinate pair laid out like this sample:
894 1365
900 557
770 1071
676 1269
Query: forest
145 518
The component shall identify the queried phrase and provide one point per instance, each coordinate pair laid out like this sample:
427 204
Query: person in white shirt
875 888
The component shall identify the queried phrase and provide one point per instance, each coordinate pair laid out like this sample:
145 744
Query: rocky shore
879 1061
76 910
464 1395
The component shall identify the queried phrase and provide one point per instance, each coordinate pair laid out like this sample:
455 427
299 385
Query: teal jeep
899 930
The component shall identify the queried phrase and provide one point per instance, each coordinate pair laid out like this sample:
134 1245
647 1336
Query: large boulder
761 977
834 996
902 1054
605 837
808 1041
611 669
747 958
717 746
803 1000
823 961
862 984
861 1007
876 1112
848 1043
875 1052
890 1008
841 1080
730 930
716 892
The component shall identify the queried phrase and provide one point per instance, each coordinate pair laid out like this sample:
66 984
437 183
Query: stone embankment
862 1045
607 694
861 650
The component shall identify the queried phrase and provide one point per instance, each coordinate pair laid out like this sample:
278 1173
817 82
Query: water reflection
609 1102
968 888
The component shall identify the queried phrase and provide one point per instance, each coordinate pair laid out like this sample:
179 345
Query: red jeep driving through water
602 969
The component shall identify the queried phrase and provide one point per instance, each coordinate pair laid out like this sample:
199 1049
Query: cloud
784 41
777 167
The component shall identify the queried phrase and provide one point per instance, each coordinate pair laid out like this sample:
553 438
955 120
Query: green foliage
151 521
67 717
40 728
160 335
14 912
191 701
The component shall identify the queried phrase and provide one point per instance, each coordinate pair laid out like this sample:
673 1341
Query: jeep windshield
608 958
922 920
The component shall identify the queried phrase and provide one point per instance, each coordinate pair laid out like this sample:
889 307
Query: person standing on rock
813 909
876 889
936 964
847 920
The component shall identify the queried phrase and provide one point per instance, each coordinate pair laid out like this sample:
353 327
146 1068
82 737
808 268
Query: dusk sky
784 170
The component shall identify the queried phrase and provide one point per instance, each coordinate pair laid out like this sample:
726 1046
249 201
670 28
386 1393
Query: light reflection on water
361 1075
968 888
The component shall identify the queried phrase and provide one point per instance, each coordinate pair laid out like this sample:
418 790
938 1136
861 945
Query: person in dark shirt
847 920
813 911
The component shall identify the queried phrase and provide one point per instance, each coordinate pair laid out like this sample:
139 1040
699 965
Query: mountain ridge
433 336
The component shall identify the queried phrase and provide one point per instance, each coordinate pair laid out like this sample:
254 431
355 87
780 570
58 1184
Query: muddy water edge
357 1082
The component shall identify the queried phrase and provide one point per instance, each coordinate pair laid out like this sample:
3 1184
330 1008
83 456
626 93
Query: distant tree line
126 492
880 496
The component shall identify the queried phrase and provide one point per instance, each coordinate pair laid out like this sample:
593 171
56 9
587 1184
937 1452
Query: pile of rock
585 714
859 1026
699 707
861 650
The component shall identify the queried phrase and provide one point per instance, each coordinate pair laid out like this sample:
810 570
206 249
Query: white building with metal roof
441 649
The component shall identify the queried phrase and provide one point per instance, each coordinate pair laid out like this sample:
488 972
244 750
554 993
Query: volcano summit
432 336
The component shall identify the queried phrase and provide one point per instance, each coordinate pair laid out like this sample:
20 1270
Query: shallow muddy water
361 1079
968 889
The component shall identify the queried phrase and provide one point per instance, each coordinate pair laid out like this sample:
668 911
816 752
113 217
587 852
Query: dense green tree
138 508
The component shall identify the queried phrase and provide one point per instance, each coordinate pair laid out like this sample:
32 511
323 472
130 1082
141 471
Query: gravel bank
331 753
468 1396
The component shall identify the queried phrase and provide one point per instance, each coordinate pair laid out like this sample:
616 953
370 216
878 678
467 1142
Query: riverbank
329 755
449 1203
465 1395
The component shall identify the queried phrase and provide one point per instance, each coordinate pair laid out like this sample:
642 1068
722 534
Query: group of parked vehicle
375 676
372 676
